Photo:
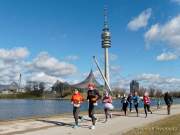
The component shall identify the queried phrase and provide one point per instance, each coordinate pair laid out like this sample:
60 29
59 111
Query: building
134 86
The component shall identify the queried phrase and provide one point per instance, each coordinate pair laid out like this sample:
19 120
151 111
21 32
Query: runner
107 100
130 100
92 96
76 100
124 102
158 103
168 100
147 103
136 100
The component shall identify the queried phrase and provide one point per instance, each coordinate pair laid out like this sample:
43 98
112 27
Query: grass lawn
168 126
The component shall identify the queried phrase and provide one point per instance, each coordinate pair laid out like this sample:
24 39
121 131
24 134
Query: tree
141 91
151 91
158 93
118 92
62 89
35 88
42 86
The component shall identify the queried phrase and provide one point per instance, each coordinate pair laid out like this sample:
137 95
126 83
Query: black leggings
130 106
76 111
125 105
147 108
91 113
136 107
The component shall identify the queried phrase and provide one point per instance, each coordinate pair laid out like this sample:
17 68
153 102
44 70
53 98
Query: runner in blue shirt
136 100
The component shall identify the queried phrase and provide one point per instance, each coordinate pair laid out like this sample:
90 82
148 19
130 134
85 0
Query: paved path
63 125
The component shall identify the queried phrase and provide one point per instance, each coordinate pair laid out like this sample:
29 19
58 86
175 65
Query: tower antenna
105 18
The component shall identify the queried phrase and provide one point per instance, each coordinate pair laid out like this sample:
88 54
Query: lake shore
62 124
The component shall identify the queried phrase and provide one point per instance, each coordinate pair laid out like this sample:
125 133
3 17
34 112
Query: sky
49 40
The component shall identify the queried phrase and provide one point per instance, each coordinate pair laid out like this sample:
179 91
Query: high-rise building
134 86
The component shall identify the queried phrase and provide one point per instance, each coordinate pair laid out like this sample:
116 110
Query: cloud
13 54
51 66
169 33
10 72
42 77
164 83
8 75
42 68
152 33
147 80
121 83
176 1
148 77
76 81
12 64
72 58
167 57
140 21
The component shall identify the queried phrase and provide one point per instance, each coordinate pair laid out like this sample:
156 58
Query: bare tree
158 93
152 91
118 92
141 91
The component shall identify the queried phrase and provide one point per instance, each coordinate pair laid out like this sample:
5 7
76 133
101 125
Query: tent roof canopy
90 79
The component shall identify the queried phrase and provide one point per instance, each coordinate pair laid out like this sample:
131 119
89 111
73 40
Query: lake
25 108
